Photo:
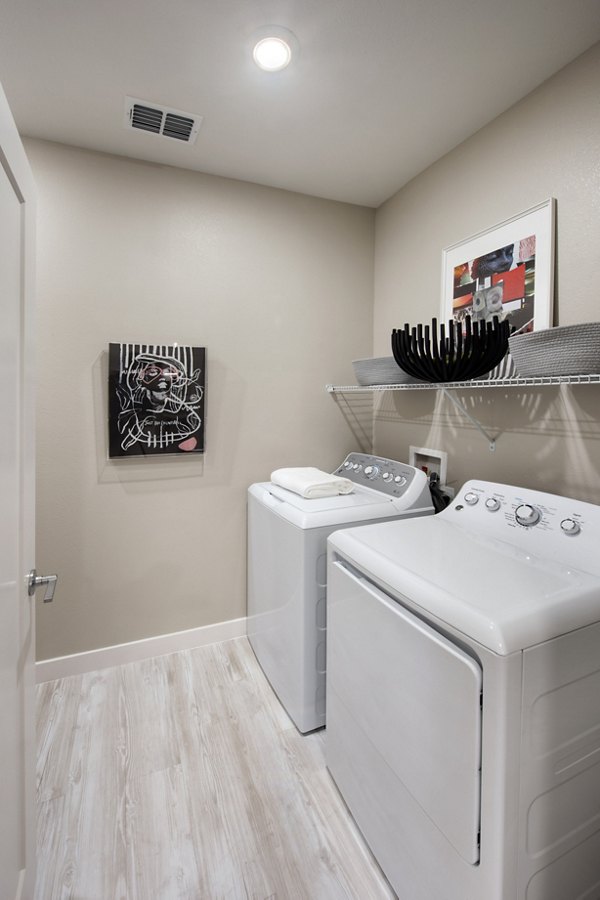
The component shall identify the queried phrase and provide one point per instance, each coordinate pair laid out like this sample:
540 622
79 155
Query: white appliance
287 570
463 695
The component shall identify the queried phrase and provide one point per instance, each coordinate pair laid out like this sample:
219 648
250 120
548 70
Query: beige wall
277 286
546 146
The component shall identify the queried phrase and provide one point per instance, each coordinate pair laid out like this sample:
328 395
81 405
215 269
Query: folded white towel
311 483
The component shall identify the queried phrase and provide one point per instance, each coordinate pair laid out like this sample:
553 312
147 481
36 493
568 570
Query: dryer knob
471 499
347 464
371 471
492 503
570 526
527 515
399 479
387 476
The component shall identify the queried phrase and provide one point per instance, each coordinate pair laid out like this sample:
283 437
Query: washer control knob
570 526
400 479
357 467
371 471
471 499
527 515
492 503
347 464
387 476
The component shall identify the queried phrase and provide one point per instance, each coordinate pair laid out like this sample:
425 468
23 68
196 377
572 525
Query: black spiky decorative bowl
453 355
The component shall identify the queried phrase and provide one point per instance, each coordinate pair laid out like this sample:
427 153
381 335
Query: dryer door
415 696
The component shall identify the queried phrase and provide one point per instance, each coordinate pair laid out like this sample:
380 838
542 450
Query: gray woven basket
380 370
568 350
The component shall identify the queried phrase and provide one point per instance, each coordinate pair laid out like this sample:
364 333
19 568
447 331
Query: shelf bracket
512 382
462 409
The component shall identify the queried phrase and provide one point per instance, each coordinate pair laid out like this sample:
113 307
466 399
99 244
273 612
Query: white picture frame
506 270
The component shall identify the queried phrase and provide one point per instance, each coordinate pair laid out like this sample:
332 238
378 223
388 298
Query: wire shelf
474 384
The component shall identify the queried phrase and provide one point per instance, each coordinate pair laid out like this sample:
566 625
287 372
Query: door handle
34 580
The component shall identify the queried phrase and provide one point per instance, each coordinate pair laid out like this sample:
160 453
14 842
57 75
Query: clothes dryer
287 570
463 695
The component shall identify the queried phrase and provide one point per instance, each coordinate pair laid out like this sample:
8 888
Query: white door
17 620
416 695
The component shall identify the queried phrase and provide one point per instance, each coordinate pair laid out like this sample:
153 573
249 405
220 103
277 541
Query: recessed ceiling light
272 54
273 47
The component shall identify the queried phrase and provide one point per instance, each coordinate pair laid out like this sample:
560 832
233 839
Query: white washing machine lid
383 488
362 504
498 593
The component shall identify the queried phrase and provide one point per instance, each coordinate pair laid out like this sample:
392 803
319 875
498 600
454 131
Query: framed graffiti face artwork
155 400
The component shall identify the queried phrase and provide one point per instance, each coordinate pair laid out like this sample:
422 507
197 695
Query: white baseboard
104 657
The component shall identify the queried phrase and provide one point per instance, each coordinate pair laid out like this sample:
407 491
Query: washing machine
463 695
287 570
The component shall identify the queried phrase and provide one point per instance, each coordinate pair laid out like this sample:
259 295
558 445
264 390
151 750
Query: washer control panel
536 521
386 475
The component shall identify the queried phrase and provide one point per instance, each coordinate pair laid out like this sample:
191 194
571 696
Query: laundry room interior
286 274
284 290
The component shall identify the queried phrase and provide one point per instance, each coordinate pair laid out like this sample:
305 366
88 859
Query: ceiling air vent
171 123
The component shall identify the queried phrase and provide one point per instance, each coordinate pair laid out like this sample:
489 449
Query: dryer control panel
546 524
388 476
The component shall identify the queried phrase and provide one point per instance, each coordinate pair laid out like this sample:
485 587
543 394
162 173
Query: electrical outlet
429 461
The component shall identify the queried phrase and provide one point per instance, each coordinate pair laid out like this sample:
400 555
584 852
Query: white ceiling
380 88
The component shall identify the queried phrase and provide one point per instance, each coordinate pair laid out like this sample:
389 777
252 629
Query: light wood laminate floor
182 777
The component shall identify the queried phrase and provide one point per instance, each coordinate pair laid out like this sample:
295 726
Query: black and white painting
155 399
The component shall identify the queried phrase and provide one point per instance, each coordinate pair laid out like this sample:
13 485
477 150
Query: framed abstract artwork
506 271
155 400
